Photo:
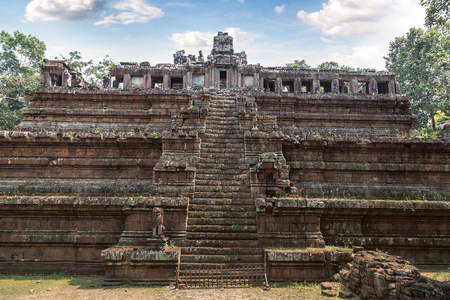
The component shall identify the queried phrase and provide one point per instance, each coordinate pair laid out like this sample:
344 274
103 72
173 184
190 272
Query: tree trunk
433 122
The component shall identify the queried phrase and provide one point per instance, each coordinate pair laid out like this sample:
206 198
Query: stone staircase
222 218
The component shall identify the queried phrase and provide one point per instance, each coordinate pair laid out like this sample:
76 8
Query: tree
20 56
96 72
91 72
299 64
329 65
421 60
438 12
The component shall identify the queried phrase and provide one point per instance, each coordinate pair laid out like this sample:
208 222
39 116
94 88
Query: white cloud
328 41
51 10
241 1
132 11
192 40
364 56
358 17
361 30
279 9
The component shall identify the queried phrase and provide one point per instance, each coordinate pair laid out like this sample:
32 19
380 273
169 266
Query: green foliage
95 72
329 65
438 12
91 72
324 65
20 56
299 64
421 60
9 118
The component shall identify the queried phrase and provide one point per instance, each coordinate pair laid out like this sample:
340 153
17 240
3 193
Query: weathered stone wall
339 114
416 230
376 275
78 163
109 110
305 265
375 168
67 234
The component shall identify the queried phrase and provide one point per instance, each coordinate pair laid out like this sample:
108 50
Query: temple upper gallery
224 69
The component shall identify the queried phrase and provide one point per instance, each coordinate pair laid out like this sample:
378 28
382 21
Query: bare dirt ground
59 286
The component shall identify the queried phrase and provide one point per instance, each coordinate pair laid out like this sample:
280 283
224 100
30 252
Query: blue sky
272 32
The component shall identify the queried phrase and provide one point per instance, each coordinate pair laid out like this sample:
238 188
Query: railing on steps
242 275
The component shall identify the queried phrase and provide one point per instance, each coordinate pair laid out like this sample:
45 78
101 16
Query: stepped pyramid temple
213 170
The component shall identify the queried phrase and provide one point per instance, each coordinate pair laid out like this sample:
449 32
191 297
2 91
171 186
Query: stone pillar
207 79
297 85
216 78
166 81
256 83
239 80
373 87
335 86
147 81
234 77
126 81
316 86
354 86
66 79
261 84
278 85
188 83
47 79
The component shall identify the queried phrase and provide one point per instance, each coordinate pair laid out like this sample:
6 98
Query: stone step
215 146
225 132
215 135
223 111
219 244
221 251
234 156
240 174
217 195
223 201
221 142
218 181
219 189
221 258
221 235
239 183
230 207
234 126
220 221
222 214
233 150
220 173
220 167
221 228
221 121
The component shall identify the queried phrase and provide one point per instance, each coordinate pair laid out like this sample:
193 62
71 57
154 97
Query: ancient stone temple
214 164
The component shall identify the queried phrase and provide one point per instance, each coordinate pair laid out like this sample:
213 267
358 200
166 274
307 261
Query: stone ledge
95 201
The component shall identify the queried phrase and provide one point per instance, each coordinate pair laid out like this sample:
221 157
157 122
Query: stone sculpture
158 219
